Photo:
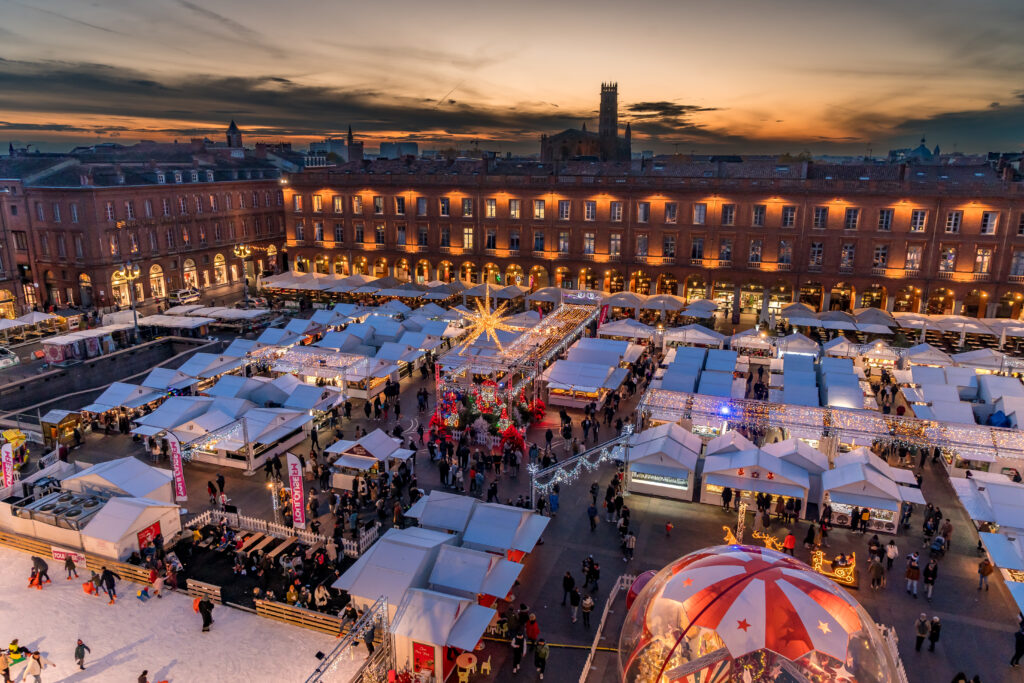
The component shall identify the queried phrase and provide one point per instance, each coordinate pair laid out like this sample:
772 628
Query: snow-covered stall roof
499 528
443 511
441 619
123 395
398 561
123 477
473 572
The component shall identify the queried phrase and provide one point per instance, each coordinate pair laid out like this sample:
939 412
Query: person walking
921 630
587 606
80 650
931 572
518 645
891 553
568 583
540 657
220 482
628 546
933 633
877 573
1018 647
789 543
532 630
107 580
985 569
206 612
913 573
574 603
368 637
592 515
42 571
36 664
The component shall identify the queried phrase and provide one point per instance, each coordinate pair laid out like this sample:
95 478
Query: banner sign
60 554
604 314
298 497
148 534
7 463
177 469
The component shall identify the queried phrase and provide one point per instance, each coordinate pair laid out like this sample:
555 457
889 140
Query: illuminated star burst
484 321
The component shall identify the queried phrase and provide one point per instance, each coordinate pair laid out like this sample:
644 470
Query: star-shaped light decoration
823 627
484 321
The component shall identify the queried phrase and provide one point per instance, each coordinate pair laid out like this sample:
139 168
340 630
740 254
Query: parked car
183 296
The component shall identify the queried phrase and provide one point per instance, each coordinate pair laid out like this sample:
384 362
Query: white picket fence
246 523
367 537
892 640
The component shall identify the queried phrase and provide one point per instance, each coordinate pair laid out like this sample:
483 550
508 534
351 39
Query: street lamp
244 251
274 487
130 272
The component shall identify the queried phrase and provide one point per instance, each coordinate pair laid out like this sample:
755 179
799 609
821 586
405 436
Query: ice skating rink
161 635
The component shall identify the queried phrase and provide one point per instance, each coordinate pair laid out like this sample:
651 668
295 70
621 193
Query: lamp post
130 272
244 251
275 498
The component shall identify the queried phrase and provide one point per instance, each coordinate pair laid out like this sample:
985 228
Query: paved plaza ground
977 635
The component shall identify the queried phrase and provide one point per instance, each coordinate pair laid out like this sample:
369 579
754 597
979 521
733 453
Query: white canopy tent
503 529
627 327
926 354
122 477
473 573
115 530
750 471
695 335
443 511
123 395
661 461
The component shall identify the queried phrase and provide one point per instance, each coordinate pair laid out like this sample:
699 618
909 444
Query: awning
761 485
470 627
847 498
1002 550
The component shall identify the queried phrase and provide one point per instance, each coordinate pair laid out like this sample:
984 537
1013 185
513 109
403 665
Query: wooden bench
251 541
312 551
279 549
262 544
198 589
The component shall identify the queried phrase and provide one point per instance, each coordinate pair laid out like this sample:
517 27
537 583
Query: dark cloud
673 109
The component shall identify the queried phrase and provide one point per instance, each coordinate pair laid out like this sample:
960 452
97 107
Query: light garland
968 441
570 470
845 576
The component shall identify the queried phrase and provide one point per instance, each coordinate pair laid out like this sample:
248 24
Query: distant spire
350 134
10 148
584 128
233 128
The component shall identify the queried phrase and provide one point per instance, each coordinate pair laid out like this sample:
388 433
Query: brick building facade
754 233
176 211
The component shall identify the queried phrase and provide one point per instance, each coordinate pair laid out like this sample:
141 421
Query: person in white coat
36 664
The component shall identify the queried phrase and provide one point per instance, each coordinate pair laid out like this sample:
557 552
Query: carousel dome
745 613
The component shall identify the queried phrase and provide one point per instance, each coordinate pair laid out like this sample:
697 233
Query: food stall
576 383
58 427
354 457
750 472
661 462
857 485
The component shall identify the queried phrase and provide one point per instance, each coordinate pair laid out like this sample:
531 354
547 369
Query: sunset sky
829 76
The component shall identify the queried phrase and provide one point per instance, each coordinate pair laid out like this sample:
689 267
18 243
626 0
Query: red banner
7 463
604 314
60 554
148 534
298 498
177 468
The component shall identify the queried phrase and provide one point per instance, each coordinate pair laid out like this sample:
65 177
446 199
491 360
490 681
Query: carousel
744 613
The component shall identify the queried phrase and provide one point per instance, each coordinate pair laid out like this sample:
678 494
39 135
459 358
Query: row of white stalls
442 579
110 509
995 504
665 460
369 456
593 367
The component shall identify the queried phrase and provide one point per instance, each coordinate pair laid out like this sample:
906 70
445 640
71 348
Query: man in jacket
921 630
587 606
69 566
206 611
80 650
540 657
984 571
42 569
107 580
518 645
574 603
36 664
568 583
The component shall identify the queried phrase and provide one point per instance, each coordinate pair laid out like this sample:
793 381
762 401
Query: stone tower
234 136
608 121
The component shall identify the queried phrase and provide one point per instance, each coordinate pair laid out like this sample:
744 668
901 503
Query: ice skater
69 566
205 609
107 580
36 664
80 651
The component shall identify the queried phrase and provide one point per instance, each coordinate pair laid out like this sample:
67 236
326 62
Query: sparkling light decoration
568 471
769 541
484 321
845 576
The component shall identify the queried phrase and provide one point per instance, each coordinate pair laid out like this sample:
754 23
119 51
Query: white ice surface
161 635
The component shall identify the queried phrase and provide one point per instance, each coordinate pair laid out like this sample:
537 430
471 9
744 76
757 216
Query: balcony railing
668 260
911 272
513 252
698 261
814 268
783 267
980 277
491 252
642 258
445 250
588 256
754 265
846 269
1015 278
880 271
944 275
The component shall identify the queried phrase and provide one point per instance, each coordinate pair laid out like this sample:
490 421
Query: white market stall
627 328
576 384
368 456
753 471
858 485
504 530
123 525
473 574
661 461
694 335
122 477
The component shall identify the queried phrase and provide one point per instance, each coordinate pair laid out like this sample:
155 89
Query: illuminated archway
587 279
322 265
907 300
190 274
514 276
940 302
563 277
341 266
640 282
614 281
873 296
445 271
156 281
694 288
975 303
380 267
810 294
492 274
468 272
423 271
841 297
360 266
1010 305
402 269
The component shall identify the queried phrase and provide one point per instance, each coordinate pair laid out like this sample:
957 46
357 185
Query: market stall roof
716 383
473 571
926 354
430 310
420 340
393 351
730 442
123 395
571 375
799 309
694 334
127 476
427 616
599 350
166 379
549 294
376 444
358 462
868 457
1005 552
55 415
310 397
399 560
983 358
992 387
79 335
874 316
702 304
279 336
35 317
750 339
881 351
758 471
235 386
118 516
671 302
858 484
950 412
183 309
499 528
175 322
797 343
664 448
841 347
510 292
443 511
347 284
625 300
800 453
871 328
172 412
524 320
207 365
991 497
723 360
627 327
